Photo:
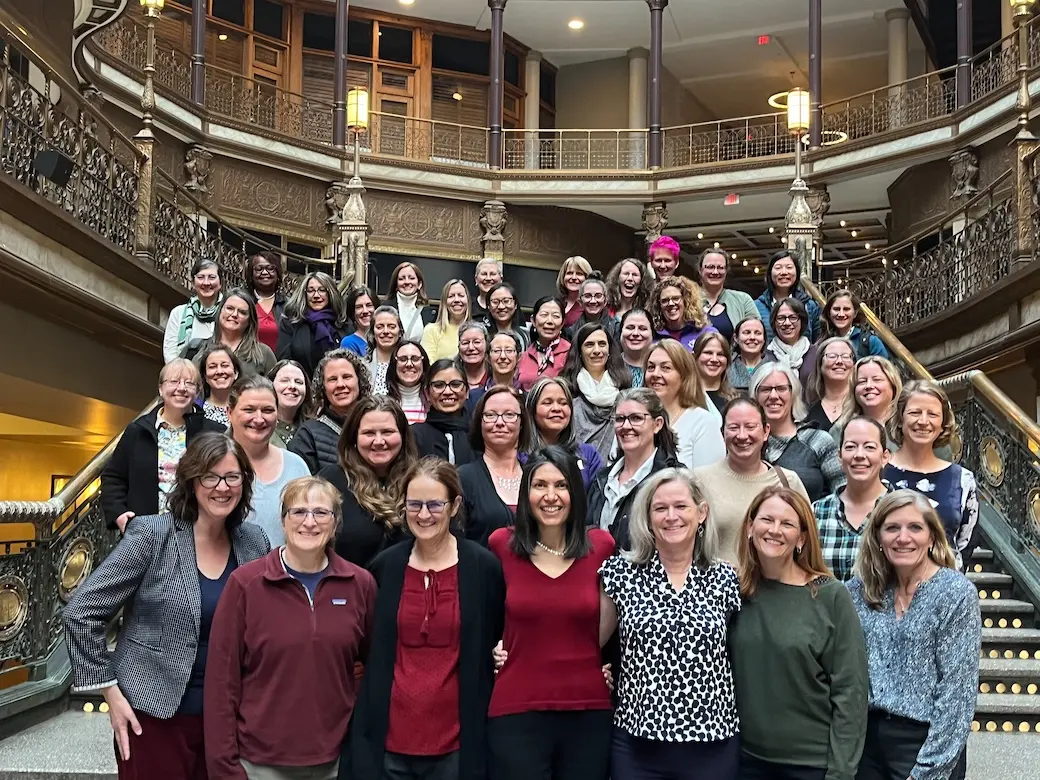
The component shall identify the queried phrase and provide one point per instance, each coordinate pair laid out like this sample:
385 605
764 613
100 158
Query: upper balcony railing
264 106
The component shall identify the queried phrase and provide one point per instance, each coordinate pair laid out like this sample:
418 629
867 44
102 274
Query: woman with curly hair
375 451
339 381
629 286
677 306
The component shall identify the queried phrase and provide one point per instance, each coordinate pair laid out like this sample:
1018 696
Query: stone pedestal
493 219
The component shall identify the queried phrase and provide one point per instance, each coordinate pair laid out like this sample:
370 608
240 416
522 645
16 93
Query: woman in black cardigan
140 469
400 725
445 433
314 322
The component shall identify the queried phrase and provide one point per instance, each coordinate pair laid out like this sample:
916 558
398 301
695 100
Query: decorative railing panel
731 139
581 150
889 108
100 187
392 135
994 67
126 40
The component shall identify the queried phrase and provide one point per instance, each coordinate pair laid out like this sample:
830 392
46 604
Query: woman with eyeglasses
281 688
375 451
804 449
749 342
263 274
440 339
504 310
551 409
166 575
843 316
548 350
387 332
830 384
314 322
629 285
573 273
194 321
254 413
473 354
339 381
637 338
503 355
790 345
647 445
593 297
445 431
221 368
724 306
139 476
237 330
677 305
422 710
712 355
500 431
409 366
550 713
293 392
360 304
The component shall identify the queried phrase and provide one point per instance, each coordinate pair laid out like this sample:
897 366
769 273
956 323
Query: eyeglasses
834 357
502 351
635 420
787 318
232 479
439 385
507 417
320 515
780 390
502 303
188 384
593 297
264 270
314 291
409 358
671 301
433 507
714 269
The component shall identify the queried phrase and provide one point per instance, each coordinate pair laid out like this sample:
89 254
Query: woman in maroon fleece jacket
280 684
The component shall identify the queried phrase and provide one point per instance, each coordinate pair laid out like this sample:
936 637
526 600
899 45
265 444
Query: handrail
930 75
9 30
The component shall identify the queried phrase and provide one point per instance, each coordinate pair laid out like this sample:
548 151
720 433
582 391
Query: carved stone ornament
198 162
493 218
655 220
335 199
819 201
964 173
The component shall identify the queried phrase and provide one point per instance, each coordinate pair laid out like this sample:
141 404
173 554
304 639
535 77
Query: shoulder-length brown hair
816 383
691 393
701 344
383 499
810 559
693 301
391 294
872 566
929 388
203 453
858 320
476 432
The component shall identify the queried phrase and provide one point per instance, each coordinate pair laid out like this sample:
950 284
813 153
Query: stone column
964 43
339 77
1007 22
198 52
493 218
815 73
498 8
655 220
637 72
898 20
656 43
345 202
532 108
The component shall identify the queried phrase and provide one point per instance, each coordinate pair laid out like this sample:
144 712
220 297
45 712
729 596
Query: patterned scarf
196 311
546 356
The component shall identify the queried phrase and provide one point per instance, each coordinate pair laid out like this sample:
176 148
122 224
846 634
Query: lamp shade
357 109
1022 8
152 7
798 110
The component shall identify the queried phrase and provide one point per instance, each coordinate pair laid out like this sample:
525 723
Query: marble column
656 53
495 97
637 70
198 52
898 20
532 108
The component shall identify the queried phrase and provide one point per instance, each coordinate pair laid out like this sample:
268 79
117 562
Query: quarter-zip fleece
280 684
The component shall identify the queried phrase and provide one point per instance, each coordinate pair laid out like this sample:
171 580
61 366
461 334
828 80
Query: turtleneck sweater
411 317
412 404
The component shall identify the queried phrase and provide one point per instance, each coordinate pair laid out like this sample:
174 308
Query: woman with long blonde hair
799 662
921 621
376 450
440 339
876 385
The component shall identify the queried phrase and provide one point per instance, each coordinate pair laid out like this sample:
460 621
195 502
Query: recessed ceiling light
745 263
734 256
855 233
716 245
575 24
406 2
222 37
771 230
758 270
700 236
866 245
842 223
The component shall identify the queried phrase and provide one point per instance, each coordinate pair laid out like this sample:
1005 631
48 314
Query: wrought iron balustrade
126 40
412 138
764 135
101 190
575 150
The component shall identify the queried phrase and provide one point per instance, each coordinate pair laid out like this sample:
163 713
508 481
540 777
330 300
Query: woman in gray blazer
166 574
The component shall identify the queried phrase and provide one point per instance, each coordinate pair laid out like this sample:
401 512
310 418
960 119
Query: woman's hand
123 718
608 677
123 519
500 656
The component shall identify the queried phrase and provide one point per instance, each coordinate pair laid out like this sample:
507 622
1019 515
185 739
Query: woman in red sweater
280 684
550 714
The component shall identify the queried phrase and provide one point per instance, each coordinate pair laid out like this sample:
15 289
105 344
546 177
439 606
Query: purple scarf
323 323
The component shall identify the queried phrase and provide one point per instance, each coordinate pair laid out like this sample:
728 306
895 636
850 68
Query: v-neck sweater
551 632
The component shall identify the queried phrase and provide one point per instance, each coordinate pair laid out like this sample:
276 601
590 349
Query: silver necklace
550 550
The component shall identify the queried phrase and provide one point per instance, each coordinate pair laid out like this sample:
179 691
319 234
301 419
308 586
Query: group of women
589 517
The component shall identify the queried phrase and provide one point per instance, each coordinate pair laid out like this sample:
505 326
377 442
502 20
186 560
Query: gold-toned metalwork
76 563
992 460
14 606
1033 507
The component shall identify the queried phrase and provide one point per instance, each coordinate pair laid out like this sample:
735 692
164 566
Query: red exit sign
731 200
763 40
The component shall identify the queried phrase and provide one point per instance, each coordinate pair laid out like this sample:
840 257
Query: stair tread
981 554
1006 634
1009 703
990 578
1013 667
1005 605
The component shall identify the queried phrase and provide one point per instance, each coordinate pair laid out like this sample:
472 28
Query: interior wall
1019 383
593 95
678 104
26 468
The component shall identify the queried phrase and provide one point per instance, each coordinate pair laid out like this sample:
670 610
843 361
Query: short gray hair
641 534
484 261
798 410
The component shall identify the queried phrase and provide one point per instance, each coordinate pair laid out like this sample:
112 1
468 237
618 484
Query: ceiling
711 46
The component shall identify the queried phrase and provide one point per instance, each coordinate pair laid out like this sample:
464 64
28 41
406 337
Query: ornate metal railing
412 138
957 256
763 135
584 150
53 142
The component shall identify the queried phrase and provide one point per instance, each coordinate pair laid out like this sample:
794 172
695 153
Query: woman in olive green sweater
797 649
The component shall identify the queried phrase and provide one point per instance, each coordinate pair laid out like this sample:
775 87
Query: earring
700 530
797 550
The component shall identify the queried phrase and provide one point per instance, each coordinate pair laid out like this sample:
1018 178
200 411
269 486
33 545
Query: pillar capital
892 14
638 53
497 5
655 220
657 5
493 219
534 56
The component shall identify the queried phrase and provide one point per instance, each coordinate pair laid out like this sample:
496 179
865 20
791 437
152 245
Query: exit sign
731 200
763 40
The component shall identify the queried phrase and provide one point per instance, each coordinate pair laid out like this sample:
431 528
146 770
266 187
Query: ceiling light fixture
855 233
758 270
772 230
456 95
745 263
842 223
734 256
575 24
222 37
700 236
406 2
716 245
866 245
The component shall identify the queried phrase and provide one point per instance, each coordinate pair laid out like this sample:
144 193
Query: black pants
891 749
752 768
635 758
551 745
400 767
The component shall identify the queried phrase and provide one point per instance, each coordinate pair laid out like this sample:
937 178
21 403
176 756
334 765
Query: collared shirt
839 541
614 492
678 682
172 443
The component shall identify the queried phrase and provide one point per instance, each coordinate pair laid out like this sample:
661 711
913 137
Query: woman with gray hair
923 630
315 321
672 599
804 449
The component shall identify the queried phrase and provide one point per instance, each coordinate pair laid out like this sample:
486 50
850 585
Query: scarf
196 311
455 428
323 323
409 311
545 355
601 393
789 354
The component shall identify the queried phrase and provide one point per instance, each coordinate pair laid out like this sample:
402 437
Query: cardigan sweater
739 306
130 479
481 608
597 498
485 510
